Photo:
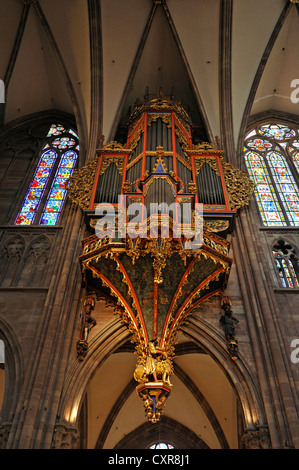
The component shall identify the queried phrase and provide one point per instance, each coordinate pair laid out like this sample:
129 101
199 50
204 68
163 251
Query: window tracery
272 159
161 445
287 263
46 194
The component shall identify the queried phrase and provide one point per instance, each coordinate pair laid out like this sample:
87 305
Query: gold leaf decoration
118 160
238 186
80 185
166 118
205 148
212 162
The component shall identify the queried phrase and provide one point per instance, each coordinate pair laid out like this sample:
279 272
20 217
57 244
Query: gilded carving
80 185
217 225
153 372
238 186
133 162
205 148
126 188
184 162
114 147
166 118
212 162
108 159
134 125
182 139
154 281
136 136
183 124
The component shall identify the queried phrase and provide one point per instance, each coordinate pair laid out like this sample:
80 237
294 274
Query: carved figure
155 367
164 370
139 374
229 322
87 323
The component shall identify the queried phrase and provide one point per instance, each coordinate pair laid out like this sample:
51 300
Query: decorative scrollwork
217 225
80 185
206 148
136 136
107 159
238 186
212 162
166 118
113 146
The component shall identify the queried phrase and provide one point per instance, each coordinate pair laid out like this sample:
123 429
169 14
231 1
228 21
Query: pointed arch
33 270
238 373
115 334
271 154
286 257
169 431
10 258
260 70
47 191
14 371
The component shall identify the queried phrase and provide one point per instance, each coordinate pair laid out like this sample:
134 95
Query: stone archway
168 430
110 340
13 371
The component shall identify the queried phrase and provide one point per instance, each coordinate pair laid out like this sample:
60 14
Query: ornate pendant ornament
159 210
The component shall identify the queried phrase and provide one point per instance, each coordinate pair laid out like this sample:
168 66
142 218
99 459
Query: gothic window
287 263
272 159
46 194
161 445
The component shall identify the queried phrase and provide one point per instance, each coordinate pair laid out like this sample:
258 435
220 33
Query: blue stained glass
58 192
264 192
259 144
36 189
49 219
64 142
60 183
53 206
285 185
42 175
70 131
67 163
277 131
64 172
56 129
161 445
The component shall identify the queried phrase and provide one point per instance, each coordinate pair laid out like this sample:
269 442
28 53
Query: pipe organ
154 278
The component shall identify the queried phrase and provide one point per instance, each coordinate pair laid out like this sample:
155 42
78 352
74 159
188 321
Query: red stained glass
42 178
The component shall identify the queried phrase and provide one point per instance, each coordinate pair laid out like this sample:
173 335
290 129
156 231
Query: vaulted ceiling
225 60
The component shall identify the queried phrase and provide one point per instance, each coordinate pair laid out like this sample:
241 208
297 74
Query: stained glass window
272 159
58 189
47 191
264 192
277 131
287 264
161 445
